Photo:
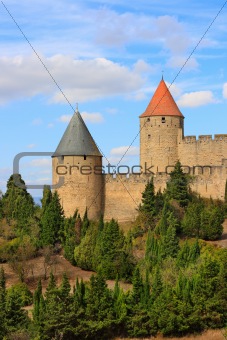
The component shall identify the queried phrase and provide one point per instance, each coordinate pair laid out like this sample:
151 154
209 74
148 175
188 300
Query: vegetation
178 286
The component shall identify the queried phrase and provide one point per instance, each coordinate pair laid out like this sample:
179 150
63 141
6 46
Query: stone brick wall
123 194
204 151
159 138
82 187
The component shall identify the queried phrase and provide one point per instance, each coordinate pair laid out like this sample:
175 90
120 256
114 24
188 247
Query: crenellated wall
204 151
123 193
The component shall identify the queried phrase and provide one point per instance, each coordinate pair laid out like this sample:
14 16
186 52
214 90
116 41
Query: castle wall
204 151
159 138
123 193
82 185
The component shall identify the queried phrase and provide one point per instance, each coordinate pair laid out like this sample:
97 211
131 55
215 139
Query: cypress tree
70 239
36 304
99 300
191 224
52 221
177 186
51 288
170 243
148 199
212 218
156 285
183 257
17 203
65 287
195 251
85 224
137 287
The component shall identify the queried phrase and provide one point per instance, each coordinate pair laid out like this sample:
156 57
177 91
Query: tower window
85 157
163 119
148 119
149 136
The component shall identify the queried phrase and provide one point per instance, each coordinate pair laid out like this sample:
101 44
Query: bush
22 291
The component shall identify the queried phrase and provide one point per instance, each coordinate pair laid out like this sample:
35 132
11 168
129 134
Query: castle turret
161 129
77 167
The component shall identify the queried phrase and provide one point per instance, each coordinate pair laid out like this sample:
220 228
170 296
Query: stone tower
161 129
77 167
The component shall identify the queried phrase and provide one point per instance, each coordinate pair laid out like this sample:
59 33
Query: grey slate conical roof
77 140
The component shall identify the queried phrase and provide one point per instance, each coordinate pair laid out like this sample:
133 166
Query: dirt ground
35 269
209 335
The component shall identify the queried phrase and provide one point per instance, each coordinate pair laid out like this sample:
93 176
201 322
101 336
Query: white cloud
224 92
174 89
94 117
37 121
40 162
194 99
65 118
111 110
181 61
31 146
80 80
127 150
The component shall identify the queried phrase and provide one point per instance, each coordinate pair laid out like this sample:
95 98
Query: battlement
205 138
127 177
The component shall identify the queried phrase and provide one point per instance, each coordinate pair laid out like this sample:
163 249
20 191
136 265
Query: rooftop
162 103
77 140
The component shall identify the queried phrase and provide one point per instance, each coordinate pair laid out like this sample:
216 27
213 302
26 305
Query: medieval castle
81 184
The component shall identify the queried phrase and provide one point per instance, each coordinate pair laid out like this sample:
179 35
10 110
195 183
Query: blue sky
108 56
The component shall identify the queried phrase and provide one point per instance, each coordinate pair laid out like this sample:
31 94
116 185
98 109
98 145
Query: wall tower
77 163
161 129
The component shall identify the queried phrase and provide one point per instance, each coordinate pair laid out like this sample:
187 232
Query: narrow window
85 157
149 136
163 119
148 119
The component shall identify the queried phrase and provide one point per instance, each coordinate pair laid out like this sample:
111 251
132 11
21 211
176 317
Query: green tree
178 186
137 287
191 223
113 255
23 293
148 206
65 287
157 284
170 243
16 318
36 301
85 224
17 203
52 220
212 218
70 239
99 300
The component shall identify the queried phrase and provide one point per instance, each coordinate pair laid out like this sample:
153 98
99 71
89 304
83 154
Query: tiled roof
77 140
162 103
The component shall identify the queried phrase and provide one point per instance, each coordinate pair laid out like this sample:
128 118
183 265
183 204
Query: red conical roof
162 103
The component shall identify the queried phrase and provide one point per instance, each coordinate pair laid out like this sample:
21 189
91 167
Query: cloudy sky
108 56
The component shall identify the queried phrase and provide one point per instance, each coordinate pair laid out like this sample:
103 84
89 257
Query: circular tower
77 170
161 129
